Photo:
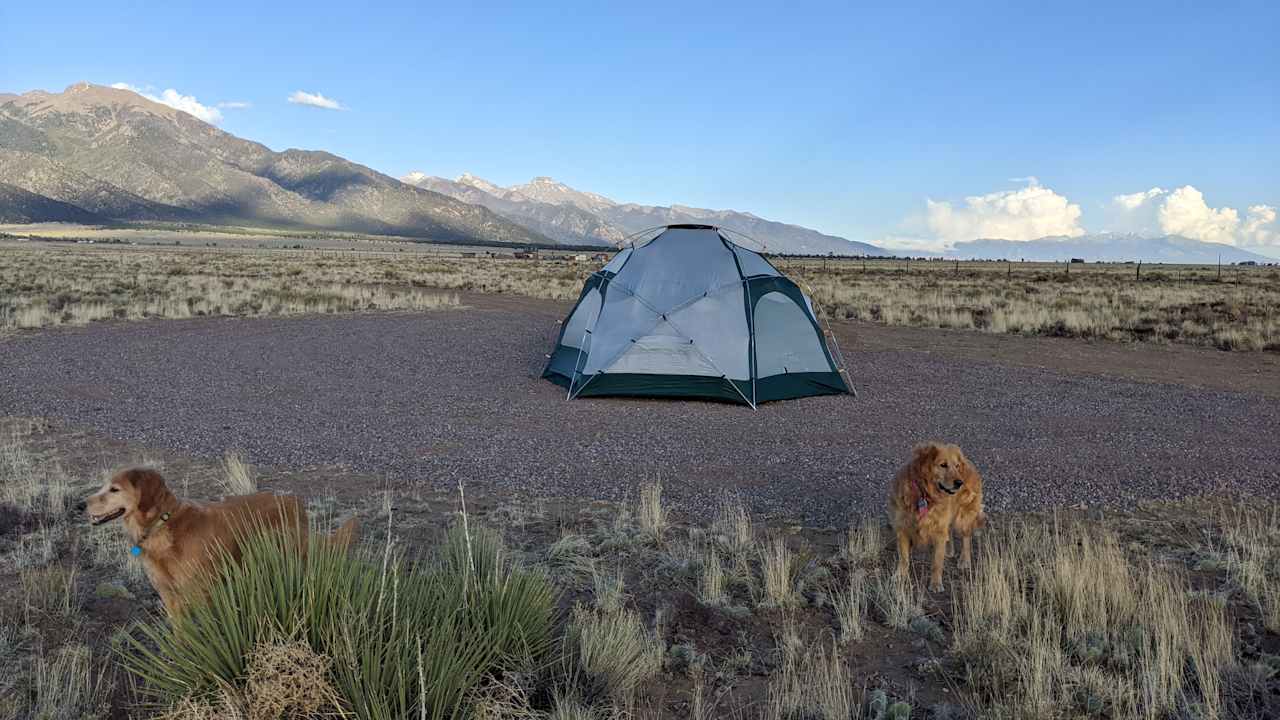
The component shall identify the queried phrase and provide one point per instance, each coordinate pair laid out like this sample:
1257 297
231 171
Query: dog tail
345 535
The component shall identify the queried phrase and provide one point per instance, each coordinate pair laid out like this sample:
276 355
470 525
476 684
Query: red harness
922 503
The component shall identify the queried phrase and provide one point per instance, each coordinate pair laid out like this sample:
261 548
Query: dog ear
149 486
925 453
969 472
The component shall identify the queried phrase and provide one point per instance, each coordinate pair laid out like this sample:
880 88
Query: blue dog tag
135 551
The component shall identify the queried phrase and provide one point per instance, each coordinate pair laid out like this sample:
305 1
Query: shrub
404 639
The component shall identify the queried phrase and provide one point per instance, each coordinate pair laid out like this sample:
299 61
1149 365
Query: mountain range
94 154
577 217
119 156
1106 247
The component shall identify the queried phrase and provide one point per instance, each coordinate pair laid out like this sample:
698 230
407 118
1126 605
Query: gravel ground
428 399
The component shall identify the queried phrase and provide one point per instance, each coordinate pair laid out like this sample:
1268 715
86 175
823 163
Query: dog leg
939 556
966 553
904 552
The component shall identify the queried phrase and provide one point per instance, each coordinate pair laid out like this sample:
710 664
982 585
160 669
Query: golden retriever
178 540
938 491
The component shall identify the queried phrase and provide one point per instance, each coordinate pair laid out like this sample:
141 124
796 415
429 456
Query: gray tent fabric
690 313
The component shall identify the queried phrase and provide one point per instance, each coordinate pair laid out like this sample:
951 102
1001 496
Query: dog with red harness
937 492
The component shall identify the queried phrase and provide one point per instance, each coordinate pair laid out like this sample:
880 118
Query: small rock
899 711
877 705
112 590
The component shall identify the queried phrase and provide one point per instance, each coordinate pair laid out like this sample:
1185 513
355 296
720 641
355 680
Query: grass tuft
237 475
651 514
712 580
851 607
612 652
781 571
813 685
864 543
66 685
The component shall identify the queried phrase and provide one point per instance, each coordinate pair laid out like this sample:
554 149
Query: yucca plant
407 640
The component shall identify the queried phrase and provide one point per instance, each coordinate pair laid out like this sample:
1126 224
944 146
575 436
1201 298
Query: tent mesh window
690 313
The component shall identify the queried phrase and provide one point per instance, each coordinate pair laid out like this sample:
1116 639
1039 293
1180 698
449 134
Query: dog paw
935 586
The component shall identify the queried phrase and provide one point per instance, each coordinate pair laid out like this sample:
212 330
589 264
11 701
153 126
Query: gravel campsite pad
431 399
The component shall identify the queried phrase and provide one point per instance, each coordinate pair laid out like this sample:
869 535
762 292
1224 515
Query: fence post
1137 275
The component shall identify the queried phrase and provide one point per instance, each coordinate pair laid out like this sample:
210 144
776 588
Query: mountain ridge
115 153
535 202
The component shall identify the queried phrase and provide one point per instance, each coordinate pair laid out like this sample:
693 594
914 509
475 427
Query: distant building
1077 260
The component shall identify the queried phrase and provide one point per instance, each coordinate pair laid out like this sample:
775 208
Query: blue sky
911 125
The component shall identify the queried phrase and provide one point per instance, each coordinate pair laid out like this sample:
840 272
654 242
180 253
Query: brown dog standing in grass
179 541
939 490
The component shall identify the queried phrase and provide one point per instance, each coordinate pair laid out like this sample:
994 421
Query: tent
690 313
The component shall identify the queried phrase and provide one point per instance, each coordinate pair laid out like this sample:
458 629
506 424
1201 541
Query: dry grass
51 590
864 543
610 590
732 525
613 652
1060 621
897 599
850 604
237 475
1183 304
712 582
68 284
1253 560
67 685
51 286
288 679
814 685
651 515
780 568
30 482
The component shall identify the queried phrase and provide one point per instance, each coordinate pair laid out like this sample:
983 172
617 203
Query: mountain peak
83 97
480 183
549 190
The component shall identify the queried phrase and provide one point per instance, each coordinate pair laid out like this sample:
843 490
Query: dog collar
922 503
136 550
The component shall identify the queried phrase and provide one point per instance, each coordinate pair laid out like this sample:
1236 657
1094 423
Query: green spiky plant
407 640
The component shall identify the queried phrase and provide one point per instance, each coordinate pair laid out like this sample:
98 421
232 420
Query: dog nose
82 506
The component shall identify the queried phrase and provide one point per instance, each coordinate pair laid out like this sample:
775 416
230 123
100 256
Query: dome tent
692 314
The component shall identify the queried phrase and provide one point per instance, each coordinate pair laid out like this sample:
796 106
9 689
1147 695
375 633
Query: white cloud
1133 201
1260 228
1185 213
315 100
235 105
1026 214
178 101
